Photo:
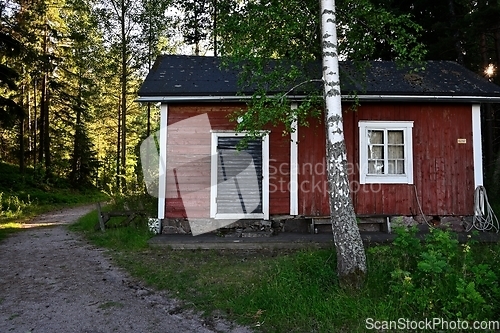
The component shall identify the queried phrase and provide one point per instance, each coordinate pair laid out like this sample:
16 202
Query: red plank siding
313 190
188 152
443 169
279 172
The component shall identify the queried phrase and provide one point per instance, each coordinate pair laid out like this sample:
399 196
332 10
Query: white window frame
213 176
407 128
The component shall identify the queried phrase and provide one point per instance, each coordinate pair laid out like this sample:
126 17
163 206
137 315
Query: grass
297 291
24 196
120 239
8 228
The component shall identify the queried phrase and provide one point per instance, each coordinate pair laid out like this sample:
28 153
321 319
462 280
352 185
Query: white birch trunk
351 261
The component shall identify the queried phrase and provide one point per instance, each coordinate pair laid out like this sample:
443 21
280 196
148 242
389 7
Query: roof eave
184 99
366 98
424 98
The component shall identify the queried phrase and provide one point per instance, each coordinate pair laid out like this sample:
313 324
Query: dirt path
52 281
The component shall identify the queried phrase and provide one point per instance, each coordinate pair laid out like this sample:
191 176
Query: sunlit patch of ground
48 219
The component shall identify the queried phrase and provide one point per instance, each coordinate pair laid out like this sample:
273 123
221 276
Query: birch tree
351 261
253 32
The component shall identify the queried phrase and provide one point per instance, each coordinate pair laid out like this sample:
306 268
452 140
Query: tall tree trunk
44 154
351 261
214 30
496 78
41 124
21 145
118 147
456 33
35 124
150 60
21 133
46 140
124 96
75 175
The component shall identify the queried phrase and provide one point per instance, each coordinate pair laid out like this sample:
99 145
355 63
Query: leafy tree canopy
252 32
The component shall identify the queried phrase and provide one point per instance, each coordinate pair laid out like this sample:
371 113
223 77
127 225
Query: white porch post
162 167
294 157
476 145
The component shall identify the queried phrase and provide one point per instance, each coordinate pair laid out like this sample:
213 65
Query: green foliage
10 48
11 206
120 238
132 237
67 67
26 195
267 113
298 291
441 278
258 32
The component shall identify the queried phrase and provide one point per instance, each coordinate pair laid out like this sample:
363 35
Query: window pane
396 152
400 170
395 137
396 167
375 152
375 167
375 137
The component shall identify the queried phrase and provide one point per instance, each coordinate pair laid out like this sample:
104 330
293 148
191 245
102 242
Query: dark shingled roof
185 77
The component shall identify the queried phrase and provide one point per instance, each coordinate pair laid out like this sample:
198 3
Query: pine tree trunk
35 124
456 33
124 98
75 175
118 146
41 123
46 141
22 147
351 261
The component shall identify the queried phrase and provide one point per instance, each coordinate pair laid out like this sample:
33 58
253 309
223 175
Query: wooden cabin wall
443 169
188 153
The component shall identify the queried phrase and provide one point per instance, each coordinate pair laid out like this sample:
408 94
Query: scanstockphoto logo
187 174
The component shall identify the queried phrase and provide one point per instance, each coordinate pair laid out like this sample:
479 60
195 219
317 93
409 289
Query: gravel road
52 280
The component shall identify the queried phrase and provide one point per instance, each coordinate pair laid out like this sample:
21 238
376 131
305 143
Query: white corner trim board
162 167
294 161
476 145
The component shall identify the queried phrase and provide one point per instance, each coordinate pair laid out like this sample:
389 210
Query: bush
441 278
12 206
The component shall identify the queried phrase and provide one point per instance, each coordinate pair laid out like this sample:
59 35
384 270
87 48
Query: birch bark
351 260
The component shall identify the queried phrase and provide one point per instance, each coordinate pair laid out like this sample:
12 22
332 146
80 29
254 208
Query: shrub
440 278
12 206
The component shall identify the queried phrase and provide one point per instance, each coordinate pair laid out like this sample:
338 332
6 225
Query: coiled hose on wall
484 218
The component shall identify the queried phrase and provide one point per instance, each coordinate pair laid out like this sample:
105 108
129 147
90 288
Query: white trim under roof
373 98
426 98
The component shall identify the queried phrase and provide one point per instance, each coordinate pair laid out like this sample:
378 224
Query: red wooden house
413 145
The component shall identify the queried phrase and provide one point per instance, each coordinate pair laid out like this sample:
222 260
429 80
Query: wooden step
362 219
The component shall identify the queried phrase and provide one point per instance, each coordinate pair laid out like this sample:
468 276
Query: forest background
70 71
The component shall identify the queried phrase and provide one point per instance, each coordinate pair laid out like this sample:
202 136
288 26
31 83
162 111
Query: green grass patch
115 237
8 228
26 195
297 291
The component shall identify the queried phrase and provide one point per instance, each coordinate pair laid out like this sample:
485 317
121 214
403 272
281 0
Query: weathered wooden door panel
239 177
